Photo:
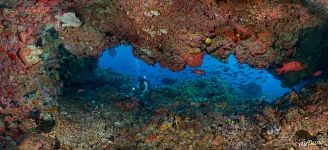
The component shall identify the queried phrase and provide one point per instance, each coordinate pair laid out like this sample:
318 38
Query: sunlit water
238 75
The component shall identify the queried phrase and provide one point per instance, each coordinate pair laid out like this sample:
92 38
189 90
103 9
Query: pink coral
38 9
243 31
221 51
257 47
239 54
23 53
23 36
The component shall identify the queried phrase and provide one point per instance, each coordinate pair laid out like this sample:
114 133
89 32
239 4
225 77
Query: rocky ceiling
268 34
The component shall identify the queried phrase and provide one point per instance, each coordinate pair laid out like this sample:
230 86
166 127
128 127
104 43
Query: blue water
237 75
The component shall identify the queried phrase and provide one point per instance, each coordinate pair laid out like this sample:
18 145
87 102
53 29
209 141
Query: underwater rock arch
35 66
188 36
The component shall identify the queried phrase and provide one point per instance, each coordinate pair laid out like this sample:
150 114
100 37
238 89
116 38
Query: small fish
290 66
81 90
200 72
317 73
168 81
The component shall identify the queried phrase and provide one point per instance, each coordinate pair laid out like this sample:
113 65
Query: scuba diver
143 85
142 89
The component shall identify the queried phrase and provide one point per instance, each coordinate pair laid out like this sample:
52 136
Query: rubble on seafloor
52 96
105 117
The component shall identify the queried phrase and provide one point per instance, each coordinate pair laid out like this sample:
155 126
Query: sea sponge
208 40
195 60
69 20
30 54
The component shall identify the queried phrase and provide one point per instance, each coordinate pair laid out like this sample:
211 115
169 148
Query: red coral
221 52
243 31
176 67
10 119
23 37
239 54
231 36
163 63
194 60
12 56
9 54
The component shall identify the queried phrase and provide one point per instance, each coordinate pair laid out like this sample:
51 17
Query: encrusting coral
48 53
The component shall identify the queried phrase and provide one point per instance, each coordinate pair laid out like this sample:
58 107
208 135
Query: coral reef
173 120
176 34
53 96
201 21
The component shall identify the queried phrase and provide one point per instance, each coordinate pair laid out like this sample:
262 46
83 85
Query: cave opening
189 77
98 93
252 82
107 83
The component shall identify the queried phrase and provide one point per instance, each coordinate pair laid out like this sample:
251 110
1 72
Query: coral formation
69 20
192 122
49 79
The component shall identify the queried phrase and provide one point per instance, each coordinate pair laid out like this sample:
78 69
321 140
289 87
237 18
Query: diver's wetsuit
142 89
143 85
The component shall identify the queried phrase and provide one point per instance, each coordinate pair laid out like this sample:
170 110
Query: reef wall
178 33
38 37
